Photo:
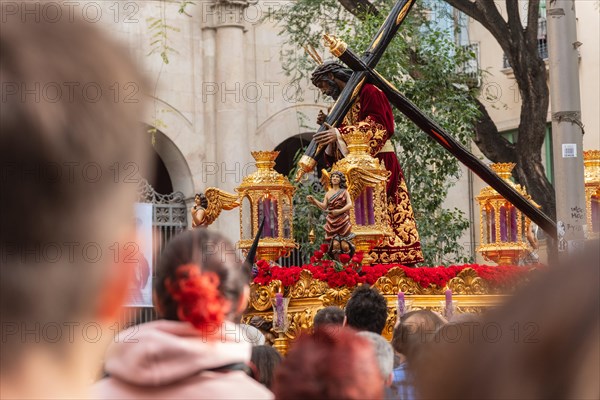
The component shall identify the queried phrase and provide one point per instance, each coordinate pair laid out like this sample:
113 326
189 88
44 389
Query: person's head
544 342
366 310
331 315
63 137
414 330
461 318
330 78
329 365
266 359
338 178
201 200
201 279
252 335
384 353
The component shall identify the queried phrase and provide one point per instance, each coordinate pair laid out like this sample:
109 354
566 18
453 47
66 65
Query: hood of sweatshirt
163 352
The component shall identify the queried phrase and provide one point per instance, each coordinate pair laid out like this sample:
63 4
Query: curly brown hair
343 184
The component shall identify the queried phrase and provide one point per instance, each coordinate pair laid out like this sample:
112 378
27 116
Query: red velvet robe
404 247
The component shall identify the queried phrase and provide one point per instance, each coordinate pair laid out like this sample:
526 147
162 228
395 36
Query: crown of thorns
333 67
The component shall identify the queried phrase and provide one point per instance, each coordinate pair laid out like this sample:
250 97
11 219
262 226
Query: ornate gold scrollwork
309 295
260 296
395 281
218 200
307 286
390 322
300 322
336 296
468 282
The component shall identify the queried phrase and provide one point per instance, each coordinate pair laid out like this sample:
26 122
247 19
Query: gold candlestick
281 344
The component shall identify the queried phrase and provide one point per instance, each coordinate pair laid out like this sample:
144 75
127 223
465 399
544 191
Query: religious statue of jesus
372 106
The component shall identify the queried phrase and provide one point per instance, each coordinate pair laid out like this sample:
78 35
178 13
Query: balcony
470 69
542 46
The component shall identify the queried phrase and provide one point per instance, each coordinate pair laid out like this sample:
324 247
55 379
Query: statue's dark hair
337 69
203 200
343 184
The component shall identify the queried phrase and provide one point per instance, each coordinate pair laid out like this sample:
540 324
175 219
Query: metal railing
470 69
296 257
169 218
542 43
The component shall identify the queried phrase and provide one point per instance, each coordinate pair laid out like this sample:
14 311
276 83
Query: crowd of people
542 343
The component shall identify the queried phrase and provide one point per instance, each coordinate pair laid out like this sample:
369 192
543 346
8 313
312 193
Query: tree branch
514 18
533 14
359 8
486 13
468 7
487 138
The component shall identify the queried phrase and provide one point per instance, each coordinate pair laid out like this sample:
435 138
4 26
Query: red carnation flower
318 255
344 258
262 264
324 248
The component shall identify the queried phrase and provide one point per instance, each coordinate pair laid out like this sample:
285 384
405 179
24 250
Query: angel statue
199 210
337 205
209 205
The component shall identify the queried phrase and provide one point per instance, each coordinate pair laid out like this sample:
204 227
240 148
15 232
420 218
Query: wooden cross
364 69
350 92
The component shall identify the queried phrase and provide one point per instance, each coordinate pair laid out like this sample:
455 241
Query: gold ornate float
591 162
367 179
308 295
266 194
503 228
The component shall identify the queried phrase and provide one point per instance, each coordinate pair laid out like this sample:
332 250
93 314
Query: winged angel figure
208 206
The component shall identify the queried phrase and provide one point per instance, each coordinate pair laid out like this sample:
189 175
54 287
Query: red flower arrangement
344 258
348 272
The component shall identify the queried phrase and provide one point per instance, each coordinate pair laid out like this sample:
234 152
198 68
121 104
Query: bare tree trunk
532 131
487 138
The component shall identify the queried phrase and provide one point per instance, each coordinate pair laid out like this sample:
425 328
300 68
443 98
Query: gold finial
328 39
310 50
357 136
504 170
311 236
265 157
336 46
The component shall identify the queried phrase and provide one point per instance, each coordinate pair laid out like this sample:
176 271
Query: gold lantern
367 179
503 228
591 162
266 194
